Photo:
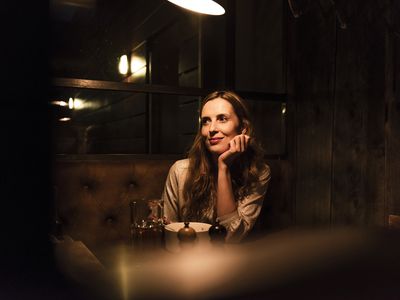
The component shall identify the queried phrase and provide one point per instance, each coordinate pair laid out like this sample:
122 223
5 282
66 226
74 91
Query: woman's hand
237 146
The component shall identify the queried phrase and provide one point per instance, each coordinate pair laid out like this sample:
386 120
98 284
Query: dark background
26 256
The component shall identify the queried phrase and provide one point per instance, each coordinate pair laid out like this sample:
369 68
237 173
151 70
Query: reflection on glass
59 103
137 63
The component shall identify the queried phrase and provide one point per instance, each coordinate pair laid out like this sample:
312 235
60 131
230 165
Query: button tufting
110 220
132 184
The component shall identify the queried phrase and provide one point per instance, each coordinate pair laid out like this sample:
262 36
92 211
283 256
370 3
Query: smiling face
219 125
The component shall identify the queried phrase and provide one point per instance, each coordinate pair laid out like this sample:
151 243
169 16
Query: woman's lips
214 141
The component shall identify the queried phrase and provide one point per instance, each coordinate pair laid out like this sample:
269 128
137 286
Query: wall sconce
136 67
75 103
123 65
208 7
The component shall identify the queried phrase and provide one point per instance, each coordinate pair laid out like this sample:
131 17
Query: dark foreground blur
317 264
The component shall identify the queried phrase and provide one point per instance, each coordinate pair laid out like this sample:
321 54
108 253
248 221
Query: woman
224 175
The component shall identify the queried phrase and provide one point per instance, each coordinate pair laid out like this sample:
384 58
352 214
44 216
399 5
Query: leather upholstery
92 196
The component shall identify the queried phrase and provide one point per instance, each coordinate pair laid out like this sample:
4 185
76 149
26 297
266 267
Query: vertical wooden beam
393 111
230 44
311 52
359 144
288 171
200 57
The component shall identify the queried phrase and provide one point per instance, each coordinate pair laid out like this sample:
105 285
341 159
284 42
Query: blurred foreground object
200 242
217 233
337 263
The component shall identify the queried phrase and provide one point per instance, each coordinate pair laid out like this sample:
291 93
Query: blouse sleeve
170 195
241 221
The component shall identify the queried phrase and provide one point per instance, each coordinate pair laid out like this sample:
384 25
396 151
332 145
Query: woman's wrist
222 165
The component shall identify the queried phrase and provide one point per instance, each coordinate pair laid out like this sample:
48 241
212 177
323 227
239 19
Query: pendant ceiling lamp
208 7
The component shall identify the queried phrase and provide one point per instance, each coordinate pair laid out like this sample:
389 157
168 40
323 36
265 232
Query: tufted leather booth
92 194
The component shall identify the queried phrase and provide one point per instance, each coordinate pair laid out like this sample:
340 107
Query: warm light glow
140 73
59 103
137 64
71 103
78 103
123 65
208 7
65 119
283 109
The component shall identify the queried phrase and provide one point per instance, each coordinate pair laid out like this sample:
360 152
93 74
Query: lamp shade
208 7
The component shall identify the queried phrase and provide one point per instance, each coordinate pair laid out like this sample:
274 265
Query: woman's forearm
225 198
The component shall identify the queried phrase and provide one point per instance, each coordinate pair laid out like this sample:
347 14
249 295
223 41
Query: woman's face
219 125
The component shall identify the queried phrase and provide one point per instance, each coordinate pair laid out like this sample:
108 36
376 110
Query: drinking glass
147 227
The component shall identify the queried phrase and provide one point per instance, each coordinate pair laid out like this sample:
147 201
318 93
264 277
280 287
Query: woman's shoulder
180 165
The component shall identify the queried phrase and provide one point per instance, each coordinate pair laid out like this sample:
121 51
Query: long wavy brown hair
200 187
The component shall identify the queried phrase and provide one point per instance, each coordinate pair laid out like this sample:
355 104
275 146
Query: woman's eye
205 121
223 118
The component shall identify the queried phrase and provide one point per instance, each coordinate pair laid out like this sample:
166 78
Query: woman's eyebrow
223 115
217 116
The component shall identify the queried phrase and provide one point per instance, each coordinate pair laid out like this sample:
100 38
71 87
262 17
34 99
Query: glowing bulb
71 103
78 103
65 119
123 65
208 7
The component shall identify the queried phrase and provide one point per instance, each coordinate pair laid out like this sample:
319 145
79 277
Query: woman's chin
217 149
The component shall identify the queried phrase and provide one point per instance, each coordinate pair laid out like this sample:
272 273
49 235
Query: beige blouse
237 223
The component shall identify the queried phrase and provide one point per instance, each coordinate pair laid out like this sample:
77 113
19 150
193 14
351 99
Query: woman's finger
233 147
242 143
238 143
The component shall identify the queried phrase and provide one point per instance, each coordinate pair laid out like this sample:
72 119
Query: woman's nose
213 127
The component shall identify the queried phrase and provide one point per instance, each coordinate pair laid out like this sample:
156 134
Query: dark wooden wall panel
277 212
214 51
188 117
268 125
188 99
185 142
190 78
259 46
189 71
165 127
359 139
189 54
393 122
164 56
312 47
